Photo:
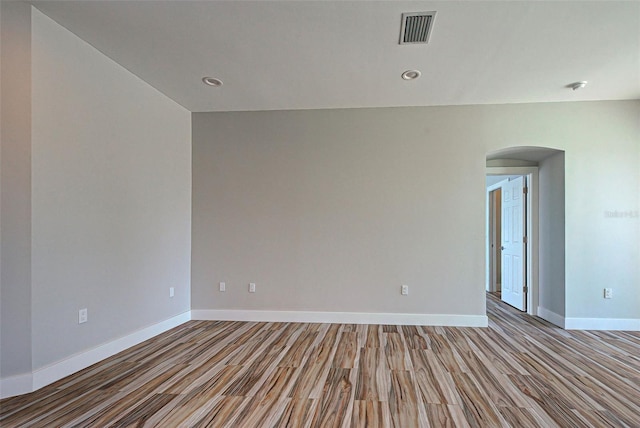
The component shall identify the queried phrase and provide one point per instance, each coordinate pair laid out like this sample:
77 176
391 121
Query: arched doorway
543 240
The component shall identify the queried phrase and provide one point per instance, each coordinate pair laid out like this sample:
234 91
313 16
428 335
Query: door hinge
525 289
525 240
525 190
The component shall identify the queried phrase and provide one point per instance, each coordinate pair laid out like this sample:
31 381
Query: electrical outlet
223 286
252 287
608 293
172 292
404 290
83 316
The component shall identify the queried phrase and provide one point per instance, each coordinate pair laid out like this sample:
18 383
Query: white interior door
513 244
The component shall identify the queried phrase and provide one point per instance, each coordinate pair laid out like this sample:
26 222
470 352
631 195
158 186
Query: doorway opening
510 219
543 227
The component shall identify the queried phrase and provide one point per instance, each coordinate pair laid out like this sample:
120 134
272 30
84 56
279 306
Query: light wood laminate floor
519 372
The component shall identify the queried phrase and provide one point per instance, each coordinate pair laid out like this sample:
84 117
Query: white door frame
531 172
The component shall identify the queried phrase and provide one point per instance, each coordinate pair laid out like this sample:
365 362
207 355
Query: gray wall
15 194
332 210
602 174
552 234
96 197
111 202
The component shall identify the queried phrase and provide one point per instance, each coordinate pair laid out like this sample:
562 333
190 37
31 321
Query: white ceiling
344 54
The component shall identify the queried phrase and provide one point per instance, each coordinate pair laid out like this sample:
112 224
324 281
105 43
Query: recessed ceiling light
212 81
411 74
577 85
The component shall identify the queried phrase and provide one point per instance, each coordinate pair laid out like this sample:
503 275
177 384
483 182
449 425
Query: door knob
502 248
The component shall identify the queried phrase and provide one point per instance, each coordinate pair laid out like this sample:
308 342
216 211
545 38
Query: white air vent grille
416 27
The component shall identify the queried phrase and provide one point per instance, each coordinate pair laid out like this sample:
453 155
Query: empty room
320 213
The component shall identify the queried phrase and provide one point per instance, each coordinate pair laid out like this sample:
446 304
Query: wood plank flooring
519 372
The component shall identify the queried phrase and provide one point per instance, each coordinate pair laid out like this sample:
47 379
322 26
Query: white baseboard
626 324
630 324
551 316
341 317
30 382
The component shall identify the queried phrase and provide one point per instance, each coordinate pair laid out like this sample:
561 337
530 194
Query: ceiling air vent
416 27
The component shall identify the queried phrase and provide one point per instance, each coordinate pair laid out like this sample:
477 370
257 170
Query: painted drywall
15 194
332 210
552 234
111 198
603 218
